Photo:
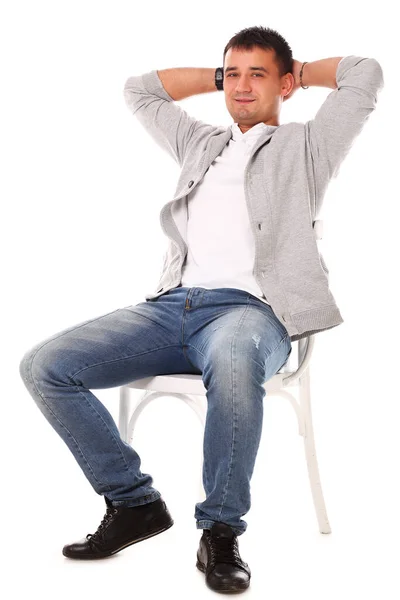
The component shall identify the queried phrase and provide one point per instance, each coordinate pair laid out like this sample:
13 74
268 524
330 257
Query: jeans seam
280 343
234 428
208 523
108 362
183 337
285 337
105 426
143 500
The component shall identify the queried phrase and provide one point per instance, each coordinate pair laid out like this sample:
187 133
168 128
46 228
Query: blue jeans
226 335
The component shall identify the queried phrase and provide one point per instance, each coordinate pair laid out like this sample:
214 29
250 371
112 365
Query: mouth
244 101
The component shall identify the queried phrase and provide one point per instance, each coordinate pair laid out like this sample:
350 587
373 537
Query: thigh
110 350
275 339
243 339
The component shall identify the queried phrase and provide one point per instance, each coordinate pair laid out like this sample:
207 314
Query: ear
287 84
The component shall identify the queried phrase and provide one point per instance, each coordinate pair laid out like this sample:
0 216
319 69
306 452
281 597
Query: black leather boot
122 527
218 557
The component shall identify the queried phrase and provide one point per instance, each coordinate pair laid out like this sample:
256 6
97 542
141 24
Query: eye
258 74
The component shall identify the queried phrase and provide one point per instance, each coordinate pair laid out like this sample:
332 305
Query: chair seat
183 383
187 383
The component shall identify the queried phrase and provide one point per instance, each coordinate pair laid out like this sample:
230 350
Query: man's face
263 87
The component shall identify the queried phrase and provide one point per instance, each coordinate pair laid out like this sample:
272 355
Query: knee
25 366
34 365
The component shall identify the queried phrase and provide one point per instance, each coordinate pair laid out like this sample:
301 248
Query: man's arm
319 73
169 125
342 115
183 82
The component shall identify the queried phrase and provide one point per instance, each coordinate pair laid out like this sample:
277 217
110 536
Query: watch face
219 75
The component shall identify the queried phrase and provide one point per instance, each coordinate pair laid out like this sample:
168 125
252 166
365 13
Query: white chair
191 390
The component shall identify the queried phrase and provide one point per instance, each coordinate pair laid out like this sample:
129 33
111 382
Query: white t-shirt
221 248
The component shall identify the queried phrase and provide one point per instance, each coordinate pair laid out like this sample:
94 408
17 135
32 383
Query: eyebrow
250 68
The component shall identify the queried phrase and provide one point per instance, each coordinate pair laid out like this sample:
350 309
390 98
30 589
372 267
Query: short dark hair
265 38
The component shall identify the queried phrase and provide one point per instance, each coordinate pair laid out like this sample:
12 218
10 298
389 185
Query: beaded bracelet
301 75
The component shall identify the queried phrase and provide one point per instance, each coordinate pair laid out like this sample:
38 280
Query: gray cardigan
285 182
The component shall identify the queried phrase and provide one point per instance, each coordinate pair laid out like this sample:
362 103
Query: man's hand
296 76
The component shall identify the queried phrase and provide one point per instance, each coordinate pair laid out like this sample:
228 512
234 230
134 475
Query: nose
243 84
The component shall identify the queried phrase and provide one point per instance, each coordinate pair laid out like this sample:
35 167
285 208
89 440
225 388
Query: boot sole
227 588
149 534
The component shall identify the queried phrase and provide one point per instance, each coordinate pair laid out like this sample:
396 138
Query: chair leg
124 409
311 456
202 493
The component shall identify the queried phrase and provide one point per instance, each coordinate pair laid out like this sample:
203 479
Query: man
242 278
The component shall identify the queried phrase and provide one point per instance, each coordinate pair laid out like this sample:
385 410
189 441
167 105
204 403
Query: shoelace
224 550
97 536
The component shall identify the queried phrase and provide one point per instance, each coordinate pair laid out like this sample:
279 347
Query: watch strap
219 78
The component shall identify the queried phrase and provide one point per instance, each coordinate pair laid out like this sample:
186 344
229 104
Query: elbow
133 85
362 74
376 74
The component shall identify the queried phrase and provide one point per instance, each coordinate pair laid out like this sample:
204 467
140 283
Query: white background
82 186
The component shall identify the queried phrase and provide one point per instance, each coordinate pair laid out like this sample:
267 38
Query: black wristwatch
219 78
